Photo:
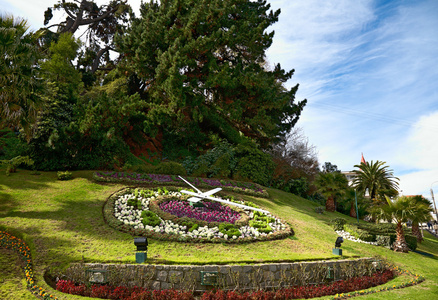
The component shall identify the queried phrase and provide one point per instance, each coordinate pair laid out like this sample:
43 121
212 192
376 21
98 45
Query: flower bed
137 211
9 241
346 235
210 212
169 180
340 289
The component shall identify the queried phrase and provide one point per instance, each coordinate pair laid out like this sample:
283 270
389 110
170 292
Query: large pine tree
201 66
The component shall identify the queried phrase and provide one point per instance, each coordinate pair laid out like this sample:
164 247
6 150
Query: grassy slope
62 222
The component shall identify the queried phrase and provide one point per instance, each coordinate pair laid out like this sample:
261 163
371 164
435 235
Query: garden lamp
338 243
142 246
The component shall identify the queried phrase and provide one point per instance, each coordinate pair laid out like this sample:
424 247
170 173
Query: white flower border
348 236
131 216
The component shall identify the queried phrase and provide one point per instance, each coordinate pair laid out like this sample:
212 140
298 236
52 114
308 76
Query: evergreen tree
200 66
101 22
51 146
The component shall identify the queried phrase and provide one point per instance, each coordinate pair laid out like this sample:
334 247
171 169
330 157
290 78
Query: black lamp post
142 248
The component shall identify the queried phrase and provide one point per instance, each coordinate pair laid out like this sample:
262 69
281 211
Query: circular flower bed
167 215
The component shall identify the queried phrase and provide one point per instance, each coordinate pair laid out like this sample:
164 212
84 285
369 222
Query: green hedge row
383 234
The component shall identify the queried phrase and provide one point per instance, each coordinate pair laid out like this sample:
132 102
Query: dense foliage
20 81
377 179
200 66
333 186
296 164
191 80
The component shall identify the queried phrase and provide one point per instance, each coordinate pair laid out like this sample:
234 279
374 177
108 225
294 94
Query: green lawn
62 222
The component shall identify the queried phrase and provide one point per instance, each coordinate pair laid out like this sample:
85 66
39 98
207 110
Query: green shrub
254 164
296 186
411 241
13 163
11 145
150 218
190 225
383 240
338 223
262 226
170 168
264 219
135 203
257 224
64 175
378 229
229 229
319 209
219 161
266 229
367 237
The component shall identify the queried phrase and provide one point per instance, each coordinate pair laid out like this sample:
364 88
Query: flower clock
168 215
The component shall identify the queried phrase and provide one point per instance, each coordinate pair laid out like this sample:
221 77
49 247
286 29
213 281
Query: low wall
227 277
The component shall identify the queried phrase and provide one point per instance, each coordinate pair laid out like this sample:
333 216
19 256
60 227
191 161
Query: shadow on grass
23 180
7 203
84 216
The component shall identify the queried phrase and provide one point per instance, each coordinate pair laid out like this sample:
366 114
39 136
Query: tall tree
331 185
377 179
296 163
20 83
101 23
328 167
49 145
201 67
348 203
422 213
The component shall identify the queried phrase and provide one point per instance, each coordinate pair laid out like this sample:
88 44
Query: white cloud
368 70
417 156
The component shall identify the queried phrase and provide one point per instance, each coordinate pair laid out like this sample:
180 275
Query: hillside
62 222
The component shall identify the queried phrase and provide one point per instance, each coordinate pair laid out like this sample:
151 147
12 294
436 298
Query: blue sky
369 70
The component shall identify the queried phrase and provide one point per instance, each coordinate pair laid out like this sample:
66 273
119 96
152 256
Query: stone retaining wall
227 277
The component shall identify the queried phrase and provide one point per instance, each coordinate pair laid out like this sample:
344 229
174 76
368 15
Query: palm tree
377 179
349 200
422 213
19 81
331 185
400 210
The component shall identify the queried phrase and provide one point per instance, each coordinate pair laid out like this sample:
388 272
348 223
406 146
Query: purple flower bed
211 212
246 187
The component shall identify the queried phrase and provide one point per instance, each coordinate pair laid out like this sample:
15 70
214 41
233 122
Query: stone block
156 285
273 268
247 269
162 276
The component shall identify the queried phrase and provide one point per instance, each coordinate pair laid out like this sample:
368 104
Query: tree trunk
353 210
416 231
400 244
330 204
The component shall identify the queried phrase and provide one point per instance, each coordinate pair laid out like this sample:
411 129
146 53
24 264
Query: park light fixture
337 250
142 247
